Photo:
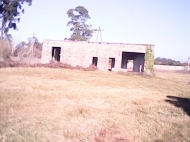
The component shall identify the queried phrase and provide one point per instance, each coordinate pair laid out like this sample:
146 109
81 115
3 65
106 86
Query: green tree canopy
9 14
81 31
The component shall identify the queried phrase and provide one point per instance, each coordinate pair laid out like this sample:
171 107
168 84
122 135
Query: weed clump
9 63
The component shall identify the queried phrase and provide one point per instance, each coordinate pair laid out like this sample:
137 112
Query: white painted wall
170 68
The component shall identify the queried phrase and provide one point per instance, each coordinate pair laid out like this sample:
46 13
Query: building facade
106 56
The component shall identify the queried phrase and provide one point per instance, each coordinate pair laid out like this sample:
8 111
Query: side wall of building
81 53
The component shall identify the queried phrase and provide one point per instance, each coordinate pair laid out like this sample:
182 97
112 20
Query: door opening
56 51
95 61
111 64
133 61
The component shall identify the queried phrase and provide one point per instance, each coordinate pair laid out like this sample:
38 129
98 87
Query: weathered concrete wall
170 68
47 50
81 53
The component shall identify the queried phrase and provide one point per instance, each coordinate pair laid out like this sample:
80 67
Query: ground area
60 105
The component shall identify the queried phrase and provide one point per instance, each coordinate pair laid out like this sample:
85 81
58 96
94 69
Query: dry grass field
62 105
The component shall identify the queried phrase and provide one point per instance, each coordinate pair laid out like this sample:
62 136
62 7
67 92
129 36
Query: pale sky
164 23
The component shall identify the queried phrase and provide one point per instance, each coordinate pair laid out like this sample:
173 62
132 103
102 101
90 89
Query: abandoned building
106 56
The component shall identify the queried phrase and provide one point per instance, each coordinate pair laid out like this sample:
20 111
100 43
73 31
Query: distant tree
20 47
185 64
81 31
9 14
33 39
165 61
36 42
31 49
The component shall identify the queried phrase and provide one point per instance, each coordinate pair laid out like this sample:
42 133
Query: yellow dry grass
58 105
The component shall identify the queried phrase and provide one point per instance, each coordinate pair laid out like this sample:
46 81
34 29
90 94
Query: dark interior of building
56 51
139 59
95 61
111 64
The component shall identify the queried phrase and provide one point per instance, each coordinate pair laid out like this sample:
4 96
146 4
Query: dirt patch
9 63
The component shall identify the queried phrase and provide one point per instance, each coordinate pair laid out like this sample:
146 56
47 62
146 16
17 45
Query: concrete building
106 56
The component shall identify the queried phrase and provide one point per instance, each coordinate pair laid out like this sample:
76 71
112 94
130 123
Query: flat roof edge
101 42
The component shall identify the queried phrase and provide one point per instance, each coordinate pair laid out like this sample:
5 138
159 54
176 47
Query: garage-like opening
111 64
138 60
95 61
56 51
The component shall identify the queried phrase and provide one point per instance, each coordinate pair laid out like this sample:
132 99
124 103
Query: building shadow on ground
183 103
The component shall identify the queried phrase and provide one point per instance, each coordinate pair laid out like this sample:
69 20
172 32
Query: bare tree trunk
1 38
3 28
2 32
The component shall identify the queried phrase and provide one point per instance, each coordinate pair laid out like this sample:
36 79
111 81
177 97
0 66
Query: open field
57 105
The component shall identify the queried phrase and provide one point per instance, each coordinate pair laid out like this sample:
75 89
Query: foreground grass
57 105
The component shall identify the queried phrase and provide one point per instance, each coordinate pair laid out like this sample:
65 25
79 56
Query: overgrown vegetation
31 49
52 64
42 104
10 11
149 59
6 48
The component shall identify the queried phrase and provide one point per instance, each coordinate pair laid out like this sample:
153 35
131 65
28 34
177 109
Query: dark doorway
56 51
95 61
138 59
111 64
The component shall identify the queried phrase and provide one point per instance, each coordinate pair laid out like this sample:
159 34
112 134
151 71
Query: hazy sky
165 23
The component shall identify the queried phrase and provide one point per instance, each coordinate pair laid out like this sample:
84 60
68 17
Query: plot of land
57 105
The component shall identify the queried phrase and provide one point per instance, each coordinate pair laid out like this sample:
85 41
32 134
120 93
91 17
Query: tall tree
9 14
81 31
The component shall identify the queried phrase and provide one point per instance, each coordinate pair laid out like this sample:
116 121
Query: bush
9 63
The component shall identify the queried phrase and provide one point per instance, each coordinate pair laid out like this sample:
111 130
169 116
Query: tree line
165 61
